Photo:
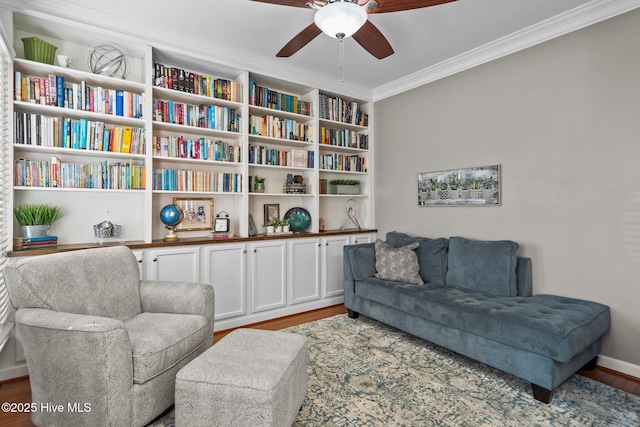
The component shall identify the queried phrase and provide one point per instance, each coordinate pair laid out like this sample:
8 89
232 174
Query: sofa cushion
432 255
553 326
159 341
398 264
486 266
362 259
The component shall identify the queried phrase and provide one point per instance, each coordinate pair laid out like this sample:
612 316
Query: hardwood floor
18 391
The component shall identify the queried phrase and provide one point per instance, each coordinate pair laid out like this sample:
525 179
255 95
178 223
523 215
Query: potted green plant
36 220
465 192
487 186
476 189
271 225
258 184
346 186
285 225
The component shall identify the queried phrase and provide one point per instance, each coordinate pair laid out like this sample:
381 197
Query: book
23 240
119 102
24 246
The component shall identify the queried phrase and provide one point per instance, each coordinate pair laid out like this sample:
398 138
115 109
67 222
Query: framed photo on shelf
271 212
198 214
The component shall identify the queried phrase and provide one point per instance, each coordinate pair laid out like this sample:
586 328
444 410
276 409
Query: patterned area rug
364 373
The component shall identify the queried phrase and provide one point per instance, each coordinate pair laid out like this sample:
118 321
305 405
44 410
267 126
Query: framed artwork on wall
476 186
198 214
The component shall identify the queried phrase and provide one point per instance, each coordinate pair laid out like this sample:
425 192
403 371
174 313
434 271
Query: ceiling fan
343 18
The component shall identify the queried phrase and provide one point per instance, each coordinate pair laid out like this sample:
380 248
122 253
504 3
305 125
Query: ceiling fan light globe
340 17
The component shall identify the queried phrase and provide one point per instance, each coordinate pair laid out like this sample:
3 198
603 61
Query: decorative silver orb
109 60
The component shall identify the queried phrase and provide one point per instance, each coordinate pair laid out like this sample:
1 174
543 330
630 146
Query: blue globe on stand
171 215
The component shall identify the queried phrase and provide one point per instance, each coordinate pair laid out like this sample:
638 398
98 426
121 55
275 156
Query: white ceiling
429 43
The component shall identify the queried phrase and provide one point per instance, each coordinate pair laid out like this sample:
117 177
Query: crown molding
121 27
575 19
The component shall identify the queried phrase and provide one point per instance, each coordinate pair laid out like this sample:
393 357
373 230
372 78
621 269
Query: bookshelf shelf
71 74
259 139
259 110
49 110
192 98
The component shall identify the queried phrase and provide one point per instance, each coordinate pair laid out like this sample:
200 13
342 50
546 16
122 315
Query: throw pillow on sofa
432 255
397 264
482 265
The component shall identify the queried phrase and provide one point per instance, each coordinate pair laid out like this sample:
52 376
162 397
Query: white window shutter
6 175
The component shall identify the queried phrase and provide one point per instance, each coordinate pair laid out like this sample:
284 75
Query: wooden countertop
184 241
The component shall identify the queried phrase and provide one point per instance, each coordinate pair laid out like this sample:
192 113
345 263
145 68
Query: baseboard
619 366
20 370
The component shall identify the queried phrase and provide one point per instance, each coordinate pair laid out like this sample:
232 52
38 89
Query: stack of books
22 243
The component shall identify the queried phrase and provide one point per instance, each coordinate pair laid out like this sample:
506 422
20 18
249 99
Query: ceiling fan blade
299 41
385 6
293 3
372 40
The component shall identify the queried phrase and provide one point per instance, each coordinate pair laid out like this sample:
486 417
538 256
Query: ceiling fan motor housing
340 19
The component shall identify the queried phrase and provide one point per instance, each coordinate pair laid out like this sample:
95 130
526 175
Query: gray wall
563 120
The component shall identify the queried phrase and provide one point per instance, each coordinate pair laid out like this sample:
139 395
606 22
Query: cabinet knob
326 244
140 260
255 250
155 259
244 251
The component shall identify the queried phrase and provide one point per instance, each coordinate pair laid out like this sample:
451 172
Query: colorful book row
203 116
103 175
261 155
276 127
339 110
197 149
82 134
200 84
340 162
344 138
54 91
190 180
23 243
265 97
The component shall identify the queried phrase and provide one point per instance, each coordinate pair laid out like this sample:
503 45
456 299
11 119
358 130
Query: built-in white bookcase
137 210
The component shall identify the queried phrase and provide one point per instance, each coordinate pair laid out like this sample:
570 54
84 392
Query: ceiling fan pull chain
341 38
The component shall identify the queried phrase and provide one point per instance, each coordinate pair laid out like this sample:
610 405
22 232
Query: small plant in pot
285 225
258 184
36 220
271 225
346 186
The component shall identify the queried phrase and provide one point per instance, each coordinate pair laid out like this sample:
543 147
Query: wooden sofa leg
353 314
590 365
541 394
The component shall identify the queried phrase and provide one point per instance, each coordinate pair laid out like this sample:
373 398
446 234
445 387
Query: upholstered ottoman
250 378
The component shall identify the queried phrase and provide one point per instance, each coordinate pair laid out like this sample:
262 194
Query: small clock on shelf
221 223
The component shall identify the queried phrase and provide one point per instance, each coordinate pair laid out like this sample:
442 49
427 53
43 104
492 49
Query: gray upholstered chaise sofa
477 301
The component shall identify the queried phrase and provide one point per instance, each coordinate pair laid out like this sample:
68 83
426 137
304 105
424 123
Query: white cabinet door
179 264
225 269
140 258
304 270
333 278
363 238
268 275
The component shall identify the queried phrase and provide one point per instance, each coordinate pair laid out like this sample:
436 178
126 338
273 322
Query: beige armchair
100 342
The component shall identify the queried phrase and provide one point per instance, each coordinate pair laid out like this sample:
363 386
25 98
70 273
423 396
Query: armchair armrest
178 298
86 359
359 263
